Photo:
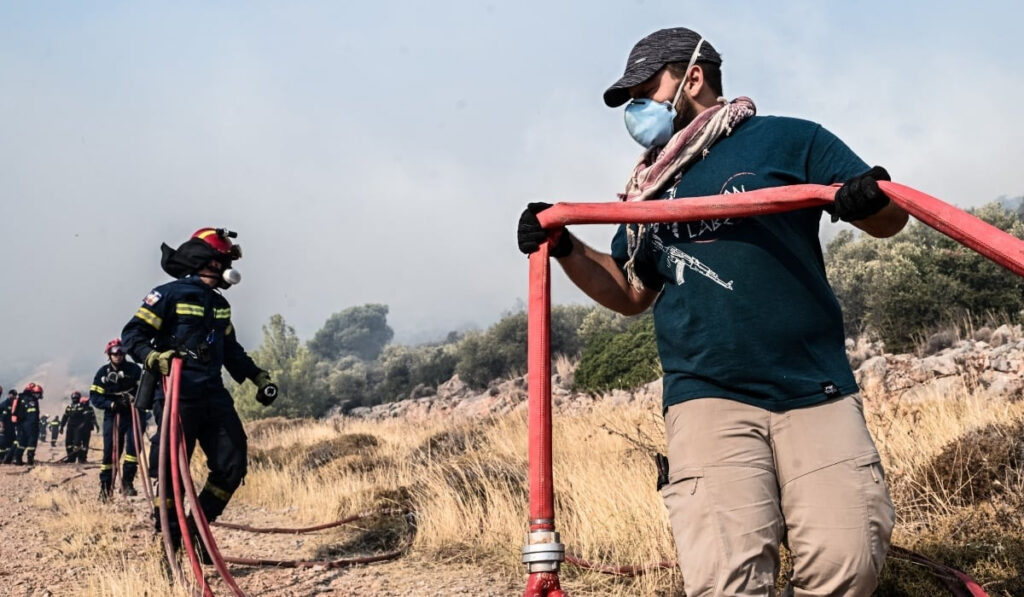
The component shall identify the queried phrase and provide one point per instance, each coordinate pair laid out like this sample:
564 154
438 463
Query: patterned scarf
659 166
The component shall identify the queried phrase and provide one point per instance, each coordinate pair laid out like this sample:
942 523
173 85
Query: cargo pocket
880 514
683 482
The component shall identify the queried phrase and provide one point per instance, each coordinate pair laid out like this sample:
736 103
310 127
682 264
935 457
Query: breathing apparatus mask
113 376
195 255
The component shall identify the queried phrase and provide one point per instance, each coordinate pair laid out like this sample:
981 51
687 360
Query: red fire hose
162 470
543 552
172 432
181 479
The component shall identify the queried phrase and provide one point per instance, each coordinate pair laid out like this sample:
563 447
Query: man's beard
684 115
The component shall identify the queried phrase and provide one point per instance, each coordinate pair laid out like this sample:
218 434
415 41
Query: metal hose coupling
543 552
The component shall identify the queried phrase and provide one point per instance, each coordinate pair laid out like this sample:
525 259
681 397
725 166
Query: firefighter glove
266 390
860 196
530 234
160 361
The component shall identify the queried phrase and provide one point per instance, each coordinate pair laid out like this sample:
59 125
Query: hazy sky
382 151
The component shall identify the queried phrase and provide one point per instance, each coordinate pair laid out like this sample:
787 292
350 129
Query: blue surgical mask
651 123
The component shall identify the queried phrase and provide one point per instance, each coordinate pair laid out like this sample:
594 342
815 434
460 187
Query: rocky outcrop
989 359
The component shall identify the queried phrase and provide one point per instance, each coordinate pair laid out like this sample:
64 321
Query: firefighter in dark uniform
112 391
77 425
54 430
6 427
26 419
190 318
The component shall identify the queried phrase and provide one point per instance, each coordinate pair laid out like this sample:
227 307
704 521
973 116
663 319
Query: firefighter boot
105 491
128 488
30 456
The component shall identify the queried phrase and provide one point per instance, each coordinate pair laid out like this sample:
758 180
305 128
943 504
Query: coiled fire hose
172 444
544 552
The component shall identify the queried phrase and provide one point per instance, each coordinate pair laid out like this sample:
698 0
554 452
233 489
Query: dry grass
97 541
467 481
959 494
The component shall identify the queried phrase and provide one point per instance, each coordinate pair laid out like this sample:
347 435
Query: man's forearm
887 222
598 275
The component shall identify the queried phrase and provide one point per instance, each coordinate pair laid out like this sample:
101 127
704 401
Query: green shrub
905 287
620 360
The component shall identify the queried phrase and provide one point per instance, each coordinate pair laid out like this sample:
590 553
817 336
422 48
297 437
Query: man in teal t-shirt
766 434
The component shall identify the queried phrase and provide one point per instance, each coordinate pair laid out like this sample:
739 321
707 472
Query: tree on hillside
906 286
304 389
360 331
501 350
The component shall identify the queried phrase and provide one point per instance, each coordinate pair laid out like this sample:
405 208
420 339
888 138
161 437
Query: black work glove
860 197
530 235
266 390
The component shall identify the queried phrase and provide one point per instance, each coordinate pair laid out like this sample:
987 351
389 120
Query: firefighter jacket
188 316
27 407
6 409
78 415
109 383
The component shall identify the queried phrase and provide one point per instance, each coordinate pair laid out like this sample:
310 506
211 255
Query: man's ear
693 81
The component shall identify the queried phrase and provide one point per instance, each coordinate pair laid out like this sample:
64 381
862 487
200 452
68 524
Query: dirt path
34 560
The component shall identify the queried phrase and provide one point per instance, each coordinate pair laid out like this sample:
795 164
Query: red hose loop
619 570
174 433
958 583
310 529
202 525
340 563
328 564
163 485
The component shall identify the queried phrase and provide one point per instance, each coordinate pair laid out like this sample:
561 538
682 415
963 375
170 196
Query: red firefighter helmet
33 388
220 240
112 345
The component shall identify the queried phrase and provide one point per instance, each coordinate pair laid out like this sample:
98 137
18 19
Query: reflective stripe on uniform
217 492
130 458
229 329
156 502
97 389
149 317
188 309
106 467
224 313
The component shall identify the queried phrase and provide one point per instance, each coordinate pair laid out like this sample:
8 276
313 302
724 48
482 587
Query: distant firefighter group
21 426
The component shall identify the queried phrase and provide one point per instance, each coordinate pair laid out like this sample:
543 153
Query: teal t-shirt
746 312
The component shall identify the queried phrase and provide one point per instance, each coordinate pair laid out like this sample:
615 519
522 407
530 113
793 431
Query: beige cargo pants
742 479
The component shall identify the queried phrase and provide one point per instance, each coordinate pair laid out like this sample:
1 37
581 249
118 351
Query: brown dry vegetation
954 466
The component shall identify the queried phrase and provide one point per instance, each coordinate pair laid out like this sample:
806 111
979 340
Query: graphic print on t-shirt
680 261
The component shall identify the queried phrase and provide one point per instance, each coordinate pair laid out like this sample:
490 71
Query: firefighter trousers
210 420
121 424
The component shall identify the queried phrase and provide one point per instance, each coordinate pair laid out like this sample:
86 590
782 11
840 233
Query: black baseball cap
652 53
